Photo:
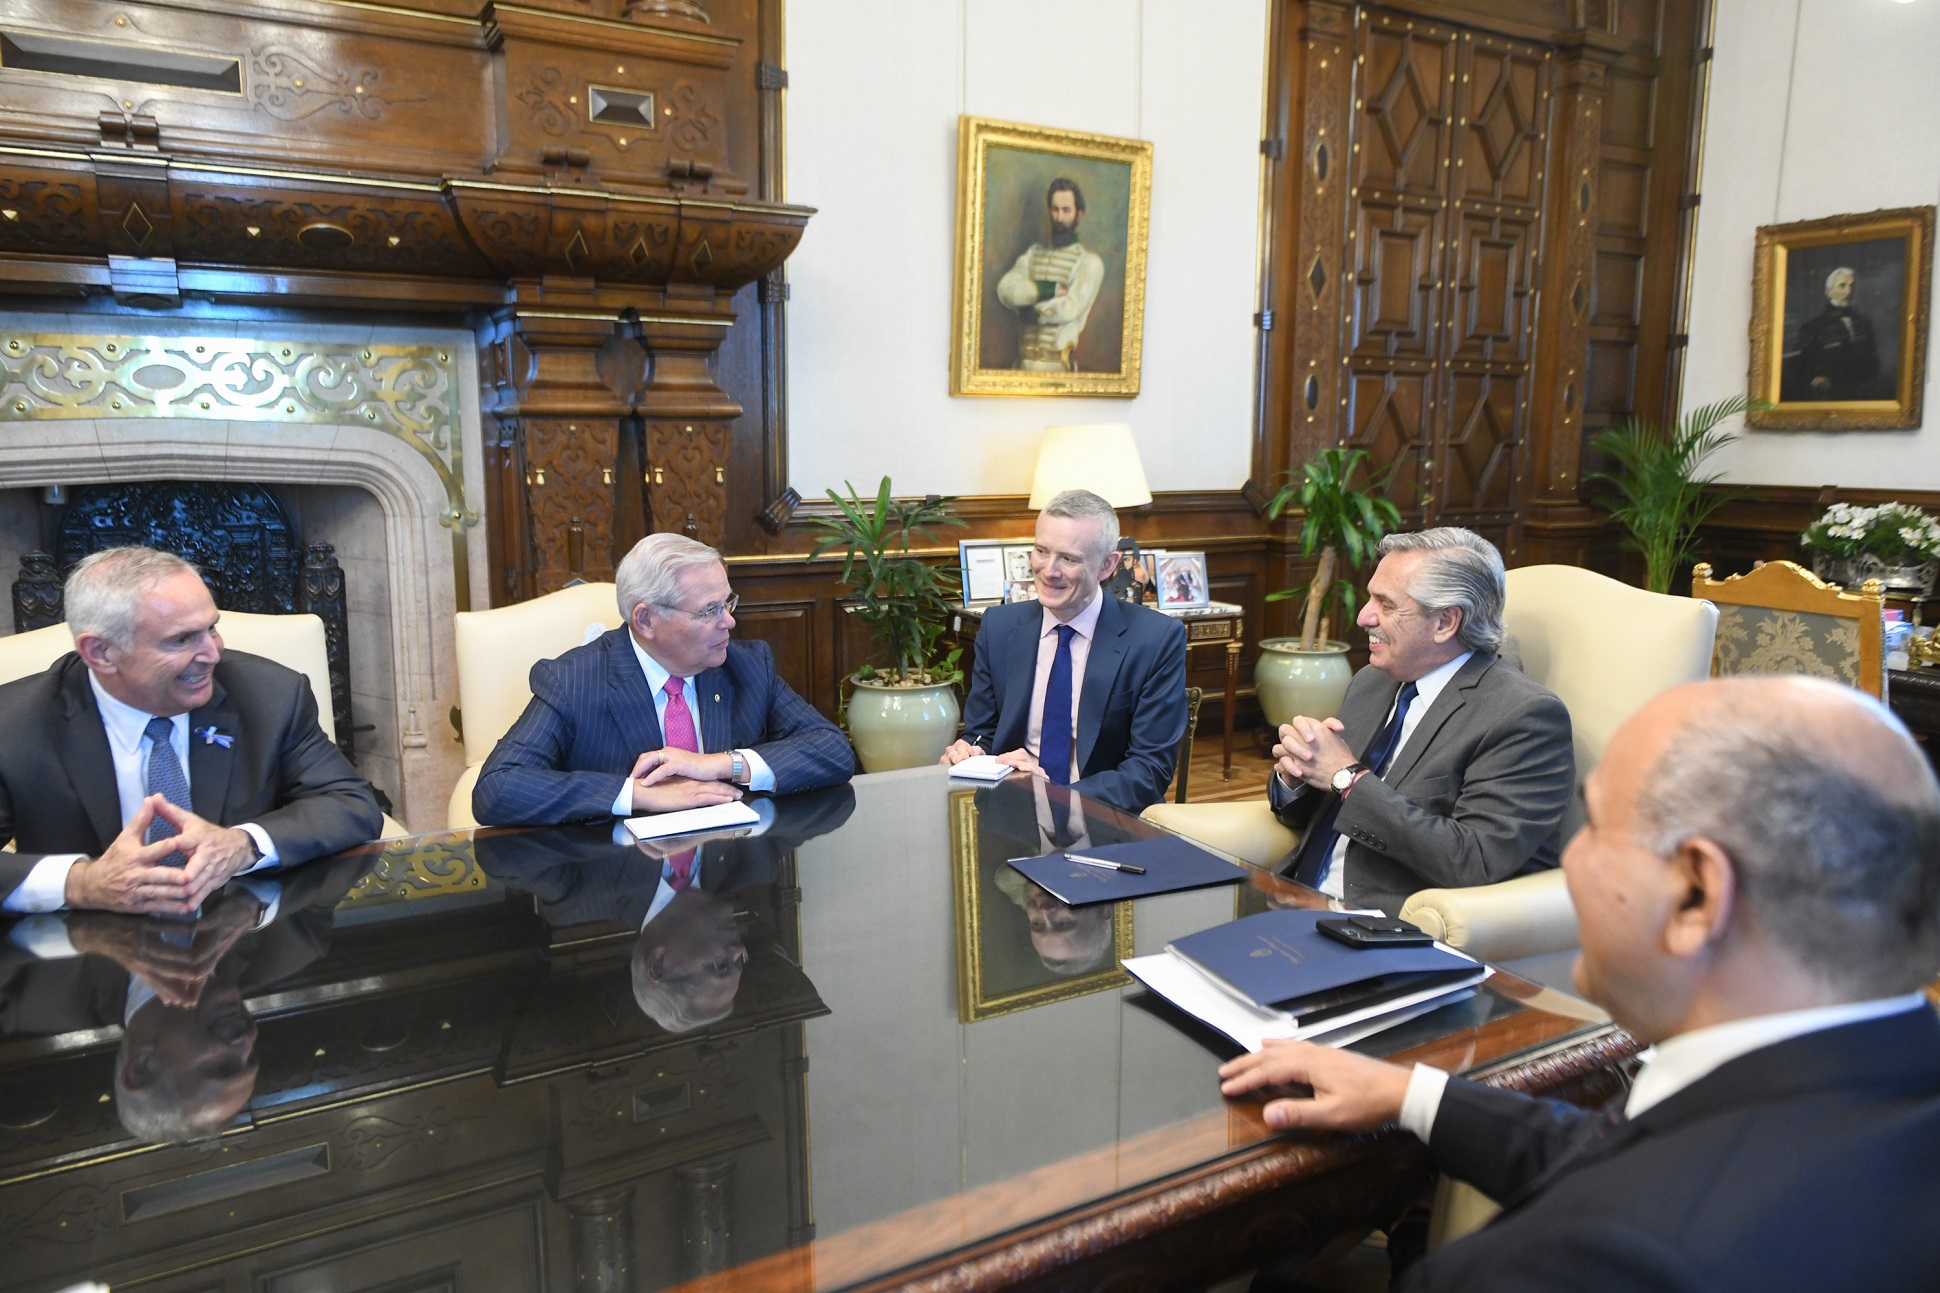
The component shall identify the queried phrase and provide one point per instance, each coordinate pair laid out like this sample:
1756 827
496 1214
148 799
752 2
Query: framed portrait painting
1839 322
1050 266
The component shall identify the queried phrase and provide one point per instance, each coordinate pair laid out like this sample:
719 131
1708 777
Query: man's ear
139 1068
640 620
1704 893
94 650
1108 565
1448 622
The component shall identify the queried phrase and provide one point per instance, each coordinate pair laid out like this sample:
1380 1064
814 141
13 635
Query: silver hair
1849 273
1463 572
104 591
1083 505
669 1002
1838 869
160 1111
651 572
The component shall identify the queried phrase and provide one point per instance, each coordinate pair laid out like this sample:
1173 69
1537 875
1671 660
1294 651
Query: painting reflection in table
435 1068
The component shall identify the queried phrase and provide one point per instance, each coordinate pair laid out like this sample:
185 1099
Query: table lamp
1103 458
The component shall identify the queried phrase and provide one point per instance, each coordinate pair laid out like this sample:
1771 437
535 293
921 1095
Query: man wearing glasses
665 713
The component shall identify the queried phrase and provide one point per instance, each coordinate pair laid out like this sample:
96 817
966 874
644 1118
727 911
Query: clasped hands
1311 750
668 779
135 877
1019 759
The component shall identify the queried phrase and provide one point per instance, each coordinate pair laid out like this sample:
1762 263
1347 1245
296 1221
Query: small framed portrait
1017 946
1839 322
1182 581
1050 273
990 568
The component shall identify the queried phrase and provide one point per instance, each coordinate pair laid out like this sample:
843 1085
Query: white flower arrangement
1897 534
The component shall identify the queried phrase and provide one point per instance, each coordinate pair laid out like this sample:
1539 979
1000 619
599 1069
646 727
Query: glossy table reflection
449 1064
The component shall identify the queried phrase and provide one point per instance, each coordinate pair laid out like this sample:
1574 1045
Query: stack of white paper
981 767
714 817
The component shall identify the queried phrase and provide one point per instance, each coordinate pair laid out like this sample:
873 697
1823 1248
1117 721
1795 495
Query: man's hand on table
211 854
676 793
960 750
1350 1092
669 763
131 877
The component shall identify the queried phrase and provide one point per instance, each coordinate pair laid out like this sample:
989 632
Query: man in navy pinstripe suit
665 713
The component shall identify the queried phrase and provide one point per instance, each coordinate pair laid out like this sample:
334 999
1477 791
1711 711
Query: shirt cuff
264 845
623 802
43 936
1423 1101
269 893
760 775
45 888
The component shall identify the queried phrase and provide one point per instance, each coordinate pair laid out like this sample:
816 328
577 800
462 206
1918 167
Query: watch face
1345 777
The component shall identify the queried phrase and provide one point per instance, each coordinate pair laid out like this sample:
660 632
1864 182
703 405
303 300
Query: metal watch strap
738 773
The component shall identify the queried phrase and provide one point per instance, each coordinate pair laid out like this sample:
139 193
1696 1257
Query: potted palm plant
1309 674
903 710
1660 499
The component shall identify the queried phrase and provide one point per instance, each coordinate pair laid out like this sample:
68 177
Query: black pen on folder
1126 867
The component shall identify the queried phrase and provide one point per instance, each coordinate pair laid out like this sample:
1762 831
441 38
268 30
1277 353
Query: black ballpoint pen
1126 867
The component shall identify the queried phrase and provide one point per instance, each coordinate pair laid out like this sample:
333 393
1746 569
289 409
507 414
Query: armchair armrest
1527 916
1248 830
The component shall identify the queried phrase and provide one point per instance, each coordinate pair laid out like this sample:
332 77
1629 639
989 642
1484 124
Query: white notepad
981 767
713 817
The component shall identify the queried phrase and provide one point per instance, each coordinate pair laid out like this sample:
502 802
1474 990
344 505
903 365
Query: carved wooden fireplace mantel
593 192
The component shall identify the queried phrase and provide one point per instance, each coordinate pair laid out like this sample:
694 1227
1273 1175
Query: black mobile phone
1374 931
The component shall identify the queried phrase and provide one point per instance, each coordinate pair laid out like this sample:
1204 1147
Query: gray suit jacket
1476 795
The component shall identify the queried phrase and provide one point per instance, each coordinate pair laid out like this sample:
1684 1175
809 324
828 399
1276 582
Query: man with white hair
661 714
148 766
1446 766
1835 356
1758 888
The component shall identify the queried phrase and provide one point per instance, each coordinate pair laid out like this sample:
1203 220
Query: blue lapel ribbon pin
210 736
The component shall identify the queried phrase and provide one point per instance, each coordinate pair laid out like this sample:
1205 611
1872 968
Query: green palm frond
1657 494
903 600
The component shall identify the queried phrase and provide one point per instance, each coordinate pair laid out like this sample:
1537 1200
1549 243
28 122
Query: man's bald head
1827 808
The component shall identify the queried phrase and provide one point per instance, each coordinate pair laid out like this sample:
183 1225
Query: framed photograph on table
1050 267
992 568
1182 582
1839 322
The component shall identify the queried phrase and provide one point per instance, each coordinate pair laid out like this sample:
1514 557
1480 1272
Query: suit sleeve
803 749
526 780
1158 723
1513 794
324 803
981 707
1501 1141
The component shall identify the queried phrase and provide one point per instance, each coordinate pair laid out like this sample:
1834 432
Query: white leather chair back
1604 648
293 641
497 649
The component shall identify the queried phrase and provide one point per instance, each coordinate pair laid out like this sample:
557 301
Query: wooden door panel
1488 426
1494 289
1387 413
1404 85
1396 281
1504 105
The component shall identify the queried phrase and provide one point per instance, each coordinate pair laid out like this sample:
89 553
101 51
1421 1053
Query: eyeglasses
712 611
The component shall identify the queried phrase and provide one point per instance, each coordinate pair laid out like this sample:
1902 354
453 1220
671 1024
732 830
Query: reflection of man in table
1052 288
1835 356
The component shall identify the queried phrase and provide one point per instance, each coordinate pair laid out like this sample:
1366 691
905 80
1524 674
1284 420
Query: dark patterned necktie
1317 849
164 777
1054 732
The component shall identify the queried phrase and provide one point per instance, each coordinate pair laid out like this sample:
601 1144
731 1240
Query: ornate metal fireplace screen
237 535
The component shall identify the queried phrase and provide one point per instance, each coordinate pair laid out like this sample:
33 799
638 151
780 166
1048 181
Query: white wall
875 88
1818 108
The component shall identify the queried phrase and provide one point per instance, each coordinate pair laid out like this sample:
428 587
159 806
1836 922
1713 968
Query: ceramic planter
1292 681
901 727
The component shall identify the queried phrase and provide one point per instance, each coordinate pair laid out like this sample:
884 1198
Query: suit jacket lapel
1101 671
714 705
1453 697
634 717
210 763
81 744
1014 723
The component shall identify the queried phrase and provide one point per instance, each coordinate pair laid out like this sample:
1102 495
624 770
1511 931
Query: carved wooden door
1445 218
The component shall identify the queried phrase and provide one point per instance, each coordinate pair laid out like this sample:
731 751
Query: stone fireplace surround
309 406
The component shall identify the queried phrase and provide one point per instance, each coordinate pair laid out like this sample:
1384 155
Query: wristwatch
738 772
1341 780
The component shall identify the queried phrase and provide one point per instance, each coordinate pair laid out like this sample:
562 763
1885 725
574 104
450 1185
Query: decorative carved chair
1781 618
496 651
1194 697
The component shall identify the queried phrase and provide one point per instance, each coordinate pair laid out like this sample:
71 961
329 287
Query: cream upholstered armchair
496 652
293 641
1603 647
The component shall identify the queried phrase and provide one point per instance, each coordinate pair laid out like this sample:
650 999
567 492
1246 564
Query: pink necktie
680 720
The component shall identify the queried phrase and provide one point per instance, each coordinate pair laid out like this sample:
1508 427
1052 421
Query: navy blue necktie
1054 731
164 777
1317 849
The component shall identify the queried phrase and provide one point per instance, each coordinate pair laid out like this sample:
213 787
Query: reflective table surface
845 1047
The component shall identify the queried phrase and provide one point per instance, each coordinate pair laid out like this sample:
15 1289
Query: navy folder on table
1171 865
1279 960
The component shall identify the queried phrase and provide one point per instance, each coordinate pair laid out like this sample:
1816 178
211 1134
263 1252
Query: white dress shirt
45 888
760 775
1427 687
1085 624
1678 1062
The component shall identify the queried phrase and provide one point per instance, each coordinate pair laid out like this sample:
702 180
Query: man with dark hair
1758 886
1446 766
1076 686
149 766
1052 288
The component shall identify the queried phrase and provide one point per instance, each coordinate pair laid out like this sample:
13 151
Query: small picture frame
990 568
1182 581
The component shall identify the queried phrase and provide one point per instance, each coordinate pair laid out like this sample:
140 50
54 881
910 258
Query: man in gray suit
1446 765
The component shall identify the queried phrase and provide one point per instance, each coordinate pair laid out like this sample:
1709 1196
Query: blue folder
1280 961
1171 865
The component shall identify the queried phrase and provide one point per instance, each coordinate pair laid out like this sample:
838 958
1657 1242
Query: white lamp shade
1101 457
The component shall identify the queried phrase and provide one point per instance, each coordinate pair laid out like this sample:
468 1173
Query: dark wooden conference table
441 1076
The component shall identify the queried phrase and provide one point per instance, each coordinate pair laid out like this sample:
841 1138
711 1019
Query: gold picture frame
996 972
1833 357
1013 182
